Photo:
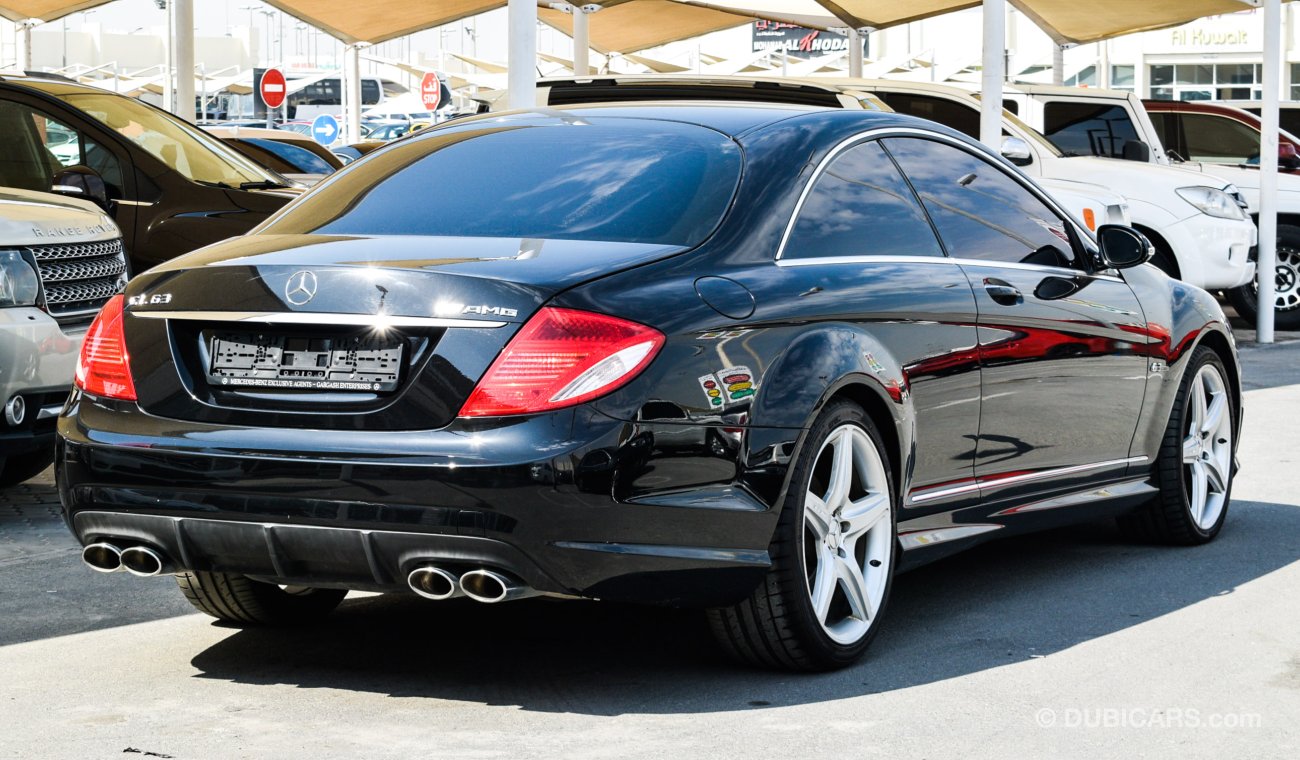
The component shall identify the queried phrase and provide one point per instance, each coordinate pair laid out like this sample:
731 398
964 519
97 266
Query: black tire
1164 260
776 626
243 601
24 467
1245 299
1167 518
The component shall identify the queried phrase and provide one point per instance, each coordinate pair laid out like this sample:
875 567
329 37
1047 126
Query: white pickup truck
1104 122
60 260
1198 227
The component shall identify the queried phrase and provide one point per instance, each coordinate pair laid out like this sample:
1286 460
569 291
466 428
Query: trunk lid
344 332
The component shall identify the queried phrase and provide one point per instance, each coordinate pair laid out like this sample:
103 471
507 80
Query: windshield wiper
207 183
265 184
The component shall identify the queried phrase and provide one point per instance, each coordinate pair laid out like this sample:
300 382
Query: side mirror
1287 156
1136 150
81 182
1123 247
1016 150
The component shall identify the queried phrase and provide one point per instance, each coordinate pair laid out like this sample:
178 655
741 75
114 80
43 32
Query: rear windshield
598 179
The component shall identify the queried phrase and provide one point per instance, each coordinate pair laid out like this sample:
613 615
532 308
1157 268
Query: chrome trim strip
919 538
47 412
315 318
1025 478
824 260
878 132
132 203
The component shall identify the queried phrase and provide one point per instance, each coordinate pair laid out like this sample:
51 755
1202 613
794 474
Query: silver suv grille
78 278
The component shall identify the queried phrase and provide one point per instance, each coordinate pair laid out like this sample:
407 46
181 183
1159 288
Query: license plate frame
335 363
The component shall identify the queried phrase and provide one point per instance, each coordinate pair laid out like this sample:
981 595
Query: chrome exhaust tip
491 587
142 561
433 583
102 557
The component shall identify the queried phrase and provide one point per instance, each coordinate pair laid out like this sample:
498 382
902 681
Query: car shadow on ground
995 605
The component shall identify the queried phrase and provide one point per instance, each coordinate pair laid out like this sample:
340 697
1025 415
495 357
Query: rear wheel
1194 467
1286 284
24 467
833 555
241 600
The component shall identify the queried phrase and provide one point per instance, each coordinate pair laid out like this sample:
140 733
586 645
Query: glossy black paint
657 492
161 213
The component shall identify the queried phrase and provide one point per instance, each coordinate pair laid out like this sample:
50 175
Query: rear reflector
562 357
103 368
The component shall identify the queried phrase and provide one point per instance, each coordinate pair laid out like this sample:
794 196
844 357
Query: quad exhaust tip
102 557
142 561
491 587
434 583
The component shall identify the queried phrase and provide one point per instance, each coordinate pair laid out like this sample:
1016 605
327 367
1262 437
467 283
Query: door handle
1003 292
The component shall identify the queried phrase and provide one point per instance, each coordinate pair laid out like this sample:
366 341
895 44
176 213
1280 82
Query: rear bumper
571 503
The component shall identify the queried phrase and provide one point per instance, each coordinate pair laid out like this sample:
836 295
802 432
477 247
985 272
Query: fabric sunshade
631 25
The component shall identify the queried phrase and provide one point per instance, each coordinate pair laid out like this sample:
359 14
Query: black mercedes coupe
755 359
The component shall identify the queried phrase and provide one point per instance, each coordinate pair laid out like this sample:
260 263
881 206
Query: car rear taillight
562 357
103 368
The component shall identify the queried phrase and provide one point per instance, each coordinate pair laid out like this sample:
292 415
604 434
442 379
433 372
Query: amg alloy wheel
1194 467
832 557
1286 284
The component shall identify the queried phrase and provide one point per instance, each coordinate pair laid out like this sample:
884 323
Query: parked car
1218 134
169 186
755 358
287 153
1073 117
393 130
1288 112
1200 232
60 261
349 153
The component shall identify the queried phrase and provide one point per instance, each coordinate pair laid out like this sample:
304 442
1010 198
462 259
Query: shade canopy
631 25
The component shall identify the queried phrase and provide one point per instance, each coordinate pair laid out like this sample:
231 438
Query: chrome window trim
824 260
1025 478
316 318
879 132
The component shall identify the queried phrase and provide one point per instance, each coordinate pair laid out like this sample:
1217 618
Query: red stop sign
272 88
431 91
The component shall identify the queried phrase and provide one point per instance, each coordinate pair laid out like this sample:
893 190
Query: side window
980 212
1164 124
958 116
1088 129
861 206
1218 140
34 147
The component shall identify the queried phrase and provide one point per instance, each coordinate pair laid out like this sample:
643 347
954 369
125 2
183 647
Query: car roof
52 85
728 117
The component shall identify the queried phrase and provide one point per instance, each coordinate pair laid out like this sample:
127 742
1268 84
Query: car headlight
1213 202
19 283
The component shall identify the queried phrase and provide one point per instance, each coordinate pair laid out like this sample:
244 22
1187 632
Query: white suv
1191 218
60 260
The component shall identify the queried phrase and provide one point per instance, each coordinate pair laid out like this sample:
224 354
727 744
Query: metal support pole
581 42
184 32
1268 137
522 57
1058 64
855 53
352 91
25 44
993 73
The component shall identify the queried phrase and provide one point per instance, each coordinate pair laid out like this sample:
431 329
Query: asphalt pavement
1074 643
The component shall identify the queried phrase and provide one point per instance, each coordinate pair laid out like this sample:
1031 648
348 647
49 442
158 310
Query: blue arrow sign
325 128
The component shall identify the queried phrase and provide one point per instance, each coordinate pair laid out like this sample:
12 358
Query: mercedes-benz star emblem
300 288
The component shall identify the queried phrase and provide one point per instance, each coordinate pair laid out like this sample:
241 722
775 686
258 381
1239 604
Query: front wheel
833 555
1194 467
1286 284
